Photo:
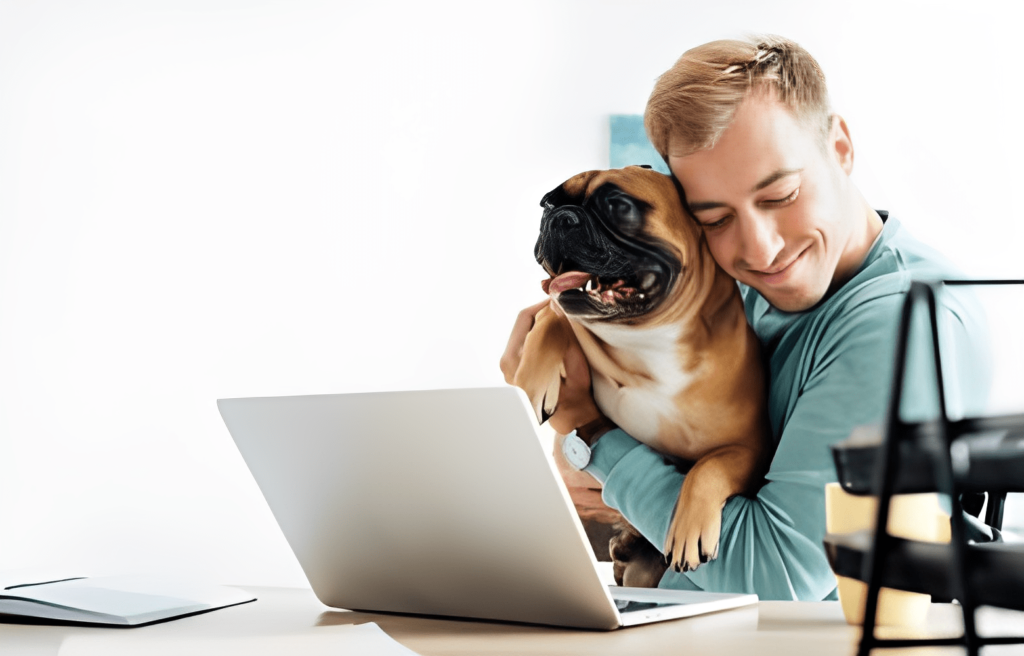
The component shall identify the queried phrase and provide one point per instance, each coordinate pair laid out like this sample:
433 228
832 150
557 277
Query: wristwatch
576 445
576 451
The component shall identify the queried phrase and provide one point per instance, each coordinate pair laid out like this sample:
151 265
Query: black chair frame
939 437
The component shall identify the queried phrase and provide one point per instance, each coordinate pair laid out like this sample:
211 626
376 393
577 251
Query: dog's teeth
648 281
641 296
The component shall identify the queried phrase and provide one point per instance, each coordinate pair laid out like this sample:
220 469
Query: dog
673 360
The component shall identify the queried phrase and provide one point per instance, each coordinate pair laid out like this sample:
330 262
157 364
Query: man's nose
760 241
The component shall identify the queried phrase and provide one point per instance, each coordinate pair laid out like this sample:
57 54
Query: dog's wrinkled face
613 243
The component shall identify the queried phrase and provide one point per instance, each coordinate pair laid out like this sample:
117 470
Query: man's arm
771 544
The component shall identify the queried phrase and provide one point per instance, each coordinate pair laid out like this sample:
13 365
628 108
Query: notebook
439 502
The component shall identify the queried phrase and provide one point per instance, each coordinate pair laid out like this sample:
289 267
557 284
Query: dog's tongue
570 280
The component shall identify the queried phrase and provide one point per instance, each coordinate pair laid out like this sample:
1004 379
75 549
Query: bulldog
673 361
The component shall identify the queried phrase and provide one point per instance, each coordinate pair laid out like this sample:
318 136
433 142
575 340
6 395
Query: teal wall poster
629 144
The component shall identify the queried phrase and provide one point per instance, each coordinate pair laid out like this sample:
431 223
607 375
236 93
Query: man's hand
585 491
576 408
576 405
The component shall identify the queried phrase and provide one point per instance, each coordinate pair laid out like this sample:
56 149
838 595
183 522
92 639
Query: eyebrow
774 177
771 179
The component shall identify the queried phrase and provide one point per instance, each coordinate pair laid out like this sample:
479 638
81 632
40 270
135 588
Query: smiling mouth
781 270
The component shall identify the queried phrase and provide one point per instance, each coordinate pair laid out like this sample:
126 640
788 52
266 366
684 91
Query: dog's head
616 244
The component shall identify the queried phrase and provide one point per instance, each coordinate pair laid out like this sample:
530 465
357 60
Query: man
764 165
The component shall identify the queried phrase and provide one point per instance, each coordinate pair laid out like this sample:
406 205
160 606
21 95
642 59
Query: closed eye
716 224
773 203
783 201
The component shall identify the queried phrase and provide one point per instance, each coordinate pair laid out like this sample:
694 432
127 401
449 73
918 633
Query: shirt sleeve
771 543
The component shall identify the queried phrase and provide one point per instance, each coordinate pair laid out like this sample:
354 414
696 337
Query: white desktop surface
281 615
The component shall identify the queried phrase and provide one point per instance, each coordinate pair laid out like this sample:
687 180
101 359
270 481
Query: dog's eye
624 212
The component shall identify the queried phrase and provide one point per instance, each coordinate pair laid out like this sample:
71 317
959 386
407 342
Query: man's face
775 206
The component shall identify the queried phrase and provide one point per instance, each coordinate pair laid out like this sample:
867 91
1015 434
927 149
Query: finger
536 307
577 371
514 348
587 499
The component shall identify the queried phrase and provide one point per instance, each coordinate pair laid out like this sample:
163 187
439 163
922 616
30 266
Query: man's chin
790 300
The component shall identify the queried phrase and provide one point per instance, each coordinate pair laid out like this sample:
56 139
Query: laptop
440 502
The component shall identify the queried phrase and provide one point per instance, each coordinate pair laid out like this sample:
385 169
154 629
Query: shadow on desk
442 635
740 619
791 628
284 618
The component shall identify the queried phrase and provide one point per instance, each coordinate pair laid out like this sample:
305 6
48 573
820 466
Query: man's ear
840 143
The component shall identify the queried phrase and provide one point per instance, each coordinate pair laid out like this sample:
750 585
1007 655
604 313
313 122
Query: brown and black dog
672 358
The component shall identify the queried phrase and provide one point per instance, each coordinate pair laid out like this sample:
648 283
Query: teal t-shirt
830 370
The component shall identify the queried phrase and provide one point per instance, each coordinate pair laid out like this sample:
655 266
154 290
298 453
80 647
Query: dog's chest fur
644 401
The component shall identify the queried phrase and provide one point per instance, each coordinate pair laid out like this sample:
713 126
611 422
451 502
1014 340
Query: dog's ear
541 369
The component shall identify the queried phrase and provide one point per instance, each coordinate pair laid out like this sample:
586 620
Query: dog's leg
693 535
636 562
541 368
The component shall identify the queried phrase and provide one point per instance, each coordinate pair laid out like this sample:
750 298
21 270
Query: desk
771 627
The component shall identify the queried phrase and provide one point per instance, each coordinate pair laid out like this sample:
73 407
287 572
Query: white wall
215 198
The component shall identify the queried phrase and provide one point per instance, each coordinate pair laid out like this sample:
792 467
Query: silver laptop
437 503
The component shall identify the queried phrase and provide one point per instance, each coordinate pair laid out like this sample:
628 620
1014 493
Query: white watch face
576 451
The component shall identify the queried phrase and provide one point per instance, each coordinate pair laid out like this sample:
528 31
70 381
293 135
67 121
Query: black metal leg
973 502
994 512
888 468
940 443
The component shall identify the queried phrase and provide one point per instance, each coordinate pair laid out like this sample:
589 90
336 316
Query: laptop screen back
431 502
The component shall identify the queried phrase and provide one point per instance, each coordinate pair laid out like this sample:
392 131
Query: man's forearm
770 545
644 489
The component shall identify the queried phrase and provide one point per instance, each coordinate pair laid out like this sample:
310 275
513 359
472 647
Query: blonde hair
694 101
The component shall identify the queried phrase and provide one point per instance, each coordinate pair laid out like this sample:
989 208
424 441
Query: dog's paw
541 366
693 535
636 562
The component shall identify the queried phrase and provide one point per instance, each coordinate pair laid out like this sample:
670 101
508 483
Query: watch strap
592 430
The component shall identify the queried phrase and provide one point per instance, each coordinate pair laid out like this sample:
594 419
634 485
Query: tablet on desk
113 600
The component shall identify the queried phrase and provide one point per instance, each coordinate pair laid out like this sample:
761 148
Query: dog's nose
565 217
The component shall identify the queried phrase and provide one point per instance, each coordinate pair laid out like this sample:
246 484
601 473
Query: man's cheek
722 252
